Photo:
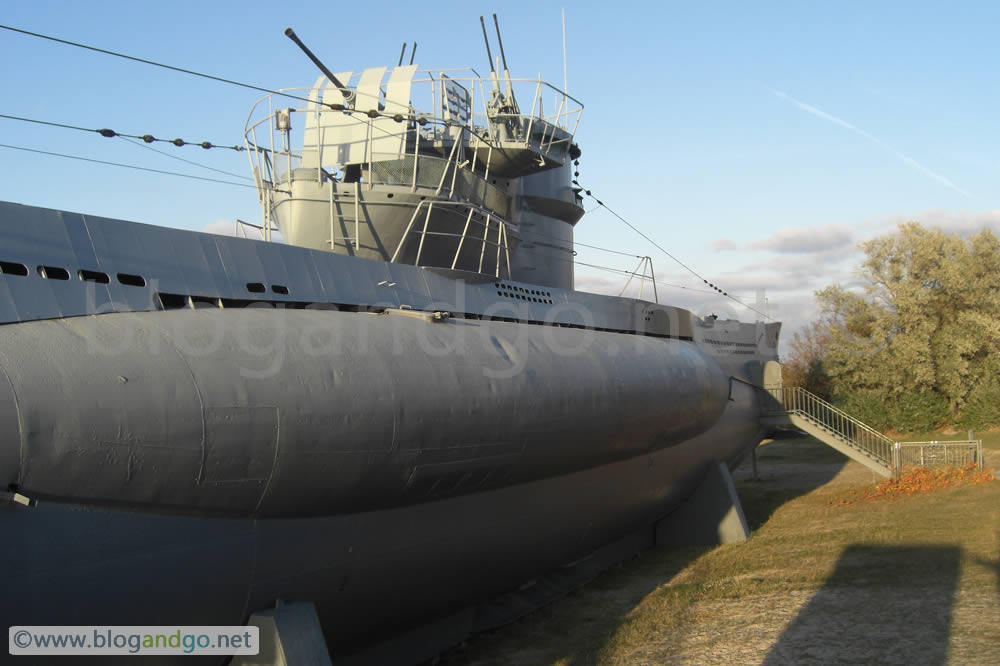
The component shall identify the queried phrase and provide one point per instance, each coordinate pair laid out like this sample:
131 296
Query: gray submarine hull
192 467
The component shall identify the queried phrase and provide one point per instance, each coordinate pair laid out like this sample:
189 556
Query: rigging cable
179 142
146 139
339 107
664 251
608 269
126 166
152 62
109 133
372 113
621 271
177 157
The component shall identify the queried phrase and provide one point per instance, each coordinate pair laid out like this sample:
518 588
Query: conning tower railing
487 218
472 130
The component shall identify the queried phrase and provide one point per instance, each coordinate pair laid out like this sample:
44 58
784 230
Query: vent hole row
60 273
99 277
259 288
522 294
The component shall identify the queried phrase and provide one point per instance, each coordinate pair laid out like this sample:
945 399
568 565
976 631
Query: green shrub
911 411
865 405
816 380
918 411
982 407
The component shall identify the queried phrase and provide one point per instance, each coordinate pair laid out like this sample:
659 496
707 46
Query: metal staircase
795 406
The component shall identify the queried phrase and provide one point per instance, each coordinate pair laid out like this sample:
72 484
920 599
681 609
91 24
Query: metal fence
939 453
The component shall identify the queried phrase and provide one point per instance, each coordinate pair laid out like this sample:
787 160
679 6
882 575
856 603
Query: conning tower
437 168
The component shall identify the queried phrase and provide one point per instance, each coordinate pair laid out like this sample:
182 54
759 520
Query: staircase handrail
796 401
830 407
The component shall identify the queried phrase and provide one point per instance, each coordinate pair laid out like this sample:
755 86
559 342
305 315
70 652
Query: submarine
402 412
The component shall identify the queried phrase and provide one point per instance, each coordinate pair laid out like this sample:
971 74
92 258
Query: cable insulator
398 117
336 107
373 113
110 133
422 121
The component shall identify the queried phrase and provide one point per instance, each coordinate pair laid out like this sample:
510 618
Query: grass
990 437
924 567
785 450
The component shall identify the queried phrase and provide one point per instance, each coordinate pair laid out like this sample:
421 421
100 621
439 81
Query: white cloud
722 244
807 239
964 222
221 228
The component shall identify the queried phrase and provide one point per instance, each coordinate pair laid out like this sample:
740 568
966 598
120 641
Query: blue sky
759 143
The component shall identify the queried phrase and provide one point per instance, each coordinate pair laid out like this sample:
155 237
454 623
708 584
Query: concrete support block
712 515
290 635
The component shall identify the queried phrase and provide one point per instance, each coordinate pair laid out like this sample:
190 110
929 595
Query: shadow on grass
776 485
882 604
581 628
760 499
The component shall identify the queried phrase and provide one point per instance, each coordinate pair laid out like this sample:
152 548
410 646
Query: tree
923 336
804 365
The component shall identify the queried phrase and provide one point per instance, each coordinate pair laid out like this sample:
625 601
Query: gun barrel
316 61
503 56
486 39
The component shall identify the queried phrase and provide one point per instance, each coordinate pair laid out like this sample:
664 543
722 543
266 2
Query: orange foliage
918 480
